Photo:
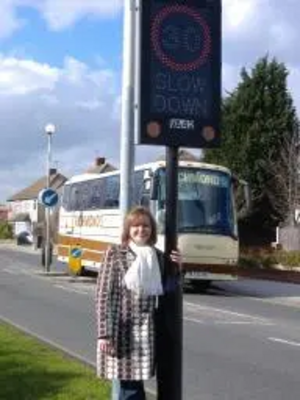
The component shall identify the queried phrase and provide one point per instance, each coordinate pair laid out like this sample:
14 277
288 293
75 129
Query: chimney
99 161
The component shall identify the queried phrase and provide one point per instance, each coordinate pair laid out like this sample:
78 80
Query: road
241 339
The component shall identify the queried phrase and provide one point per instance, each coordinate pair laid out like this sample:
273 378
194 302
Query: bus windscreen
205 201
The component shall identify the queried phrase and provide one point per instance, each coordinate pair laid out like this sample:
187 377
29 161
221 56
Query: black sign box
179 73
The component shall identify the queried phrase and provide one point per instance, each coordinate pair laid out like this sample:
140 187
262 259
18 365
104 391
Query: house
25 211
100 166
183 155
3 213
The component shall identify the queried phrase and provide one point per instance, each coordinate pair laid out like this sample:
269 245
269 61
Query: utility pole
127 118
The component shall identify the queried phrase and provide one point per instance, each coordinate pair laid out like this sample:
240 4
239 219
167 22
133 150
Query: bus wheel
201 285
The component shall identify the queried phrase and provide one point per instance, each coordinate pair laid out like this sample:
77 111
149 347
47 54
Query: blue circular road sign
76 252
48 197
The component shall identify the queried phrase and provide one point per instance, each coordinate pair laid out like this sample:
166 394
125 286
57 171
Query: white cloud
58 14
255 28
79 100
83 103
61 14
9 20
239 16
282 35
25 76
230 77
294 84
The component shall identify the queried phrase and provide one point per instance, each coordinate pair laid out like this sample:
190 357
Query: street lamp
49 130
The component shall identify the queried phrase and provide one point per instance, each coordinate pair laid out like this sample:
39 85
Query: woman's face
140 231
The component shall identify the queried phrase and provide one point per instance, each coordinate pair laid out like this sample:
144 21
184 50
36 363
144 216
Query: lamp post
50 130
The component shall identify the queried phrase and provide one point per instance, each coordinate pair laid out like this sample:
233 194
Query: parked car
24 238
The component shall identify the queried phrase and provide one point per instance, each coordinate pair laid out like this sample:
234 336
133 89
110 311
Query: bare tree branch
283 187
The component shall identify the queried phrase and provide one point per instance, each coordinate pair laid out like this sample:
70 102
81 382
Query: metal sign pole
48 198
170 382
127 122
47 244
178 105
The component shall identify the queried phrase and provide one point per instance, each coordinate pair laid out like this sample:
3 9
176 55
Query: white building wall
29 207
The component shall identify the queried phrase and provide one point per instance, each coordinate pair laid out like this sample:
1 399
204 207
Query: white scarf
143 276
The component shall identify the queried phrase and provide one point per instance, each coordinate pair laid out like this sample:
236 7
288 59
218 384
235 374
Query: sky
61 63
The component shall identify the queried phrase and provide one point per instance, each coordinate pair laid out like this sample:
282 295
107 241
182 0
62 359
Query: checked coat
124 318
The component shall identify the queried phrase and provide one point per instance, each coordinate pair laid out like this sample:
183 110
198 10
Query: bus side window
73 197
66 197
85 196
97 195
111 203
112 190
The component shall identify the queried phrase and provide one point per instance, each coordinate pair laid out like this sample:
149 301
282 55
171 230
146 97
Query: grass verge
31 370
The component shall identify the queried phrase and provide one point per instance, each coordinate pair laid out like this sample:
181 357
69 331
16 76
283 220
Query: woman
128 288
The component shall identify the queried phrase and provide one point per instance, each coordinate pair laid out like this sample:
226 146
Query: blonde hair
134 215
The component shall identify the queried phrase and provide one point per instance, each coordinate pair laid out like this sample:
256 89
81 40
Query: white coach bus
90 219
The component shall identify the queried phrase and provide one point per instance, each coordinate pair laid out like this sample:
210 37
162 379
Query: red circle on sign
155 33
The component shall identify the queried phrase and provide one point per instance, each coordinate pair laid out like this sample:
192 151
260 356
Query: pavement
11 244
288 275
26 248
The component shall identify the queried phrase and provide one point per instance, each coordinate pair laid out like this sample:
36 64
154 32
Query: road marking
288 301
30 273
284 341
217 316
263 323
10 271
232 313
37 274
68 289
197 321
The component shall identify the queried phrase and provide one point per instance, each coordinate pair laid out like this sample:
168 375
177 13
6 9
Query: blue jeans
115 389
128 390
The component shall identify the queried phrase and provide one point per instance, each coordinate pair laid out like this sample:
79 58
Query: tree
286 179
259 121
